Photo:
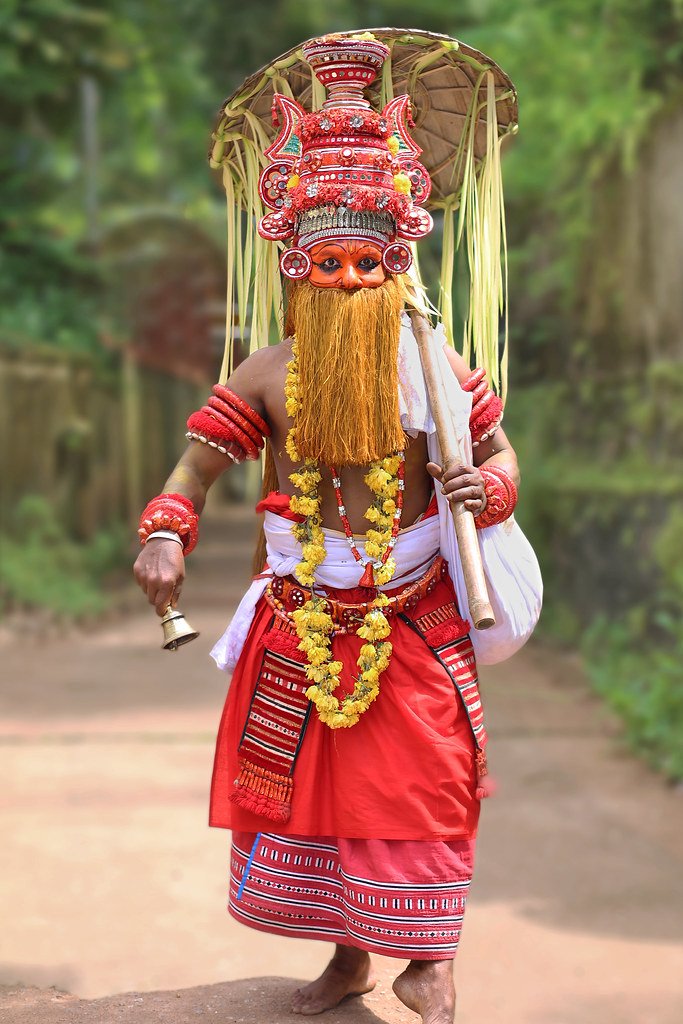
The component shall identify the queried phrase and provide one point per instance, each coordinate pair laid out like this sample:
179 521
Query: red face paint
349 264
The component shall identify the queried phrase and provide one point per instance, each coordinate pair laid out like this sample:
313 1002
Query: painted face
349 264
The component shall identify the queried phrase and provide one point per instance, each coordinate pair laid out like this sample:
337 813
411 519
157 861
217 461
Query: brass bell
177 631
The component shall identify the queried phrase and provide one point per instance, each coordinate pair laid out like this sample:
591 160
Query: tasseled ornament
284 642
263 792
368 577
447 632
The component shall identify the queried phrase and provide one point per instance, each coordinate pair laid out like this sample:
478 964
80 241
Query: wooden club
481 612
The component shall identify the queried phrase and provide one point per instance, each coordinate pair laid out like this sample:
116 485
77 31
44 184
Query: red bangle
229 448
209 425
221 391
501 497
479 392
234 417
179 498
485 417
476 377
228 419
487 408
172 512
233 431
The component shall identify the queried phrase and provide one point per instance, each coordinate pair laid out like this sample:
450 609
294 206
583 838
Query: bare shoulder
263 360
256 375
457 363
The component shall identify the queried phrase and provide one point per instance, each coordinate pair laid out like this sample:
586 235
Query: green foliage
668 554
45 49
152 109
637 668
606 522
590 75
42 568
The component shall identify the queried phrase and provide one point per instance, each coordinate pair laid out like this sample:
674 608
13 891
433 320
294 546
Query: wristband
173 513
501 497
165 535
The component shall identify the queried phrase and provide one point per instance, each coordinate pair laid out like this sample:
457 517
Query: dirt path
111 882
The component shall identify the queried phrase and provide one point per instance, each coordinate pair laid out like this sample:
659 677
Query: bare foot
426 987
347 974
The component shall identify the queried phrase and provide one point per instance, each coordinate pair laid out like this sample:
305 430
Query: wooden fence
94 442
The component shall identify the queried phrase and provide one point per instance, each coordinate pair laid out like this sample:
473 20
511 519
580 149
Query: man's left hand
461 483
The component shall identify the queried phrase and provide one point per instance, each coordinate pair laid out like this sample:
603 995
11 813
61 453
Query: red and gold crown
344 171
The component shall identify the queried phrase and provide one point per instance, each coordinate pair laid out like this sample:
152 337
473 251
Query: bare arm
160 567
200 465
497 450
197 469
465 483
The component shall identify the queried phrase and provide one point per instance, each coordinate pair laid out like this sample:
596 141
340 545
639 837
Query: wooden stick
481 612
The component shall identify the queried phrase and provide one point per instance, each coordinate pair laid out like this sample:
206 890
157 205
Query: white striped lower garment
401 898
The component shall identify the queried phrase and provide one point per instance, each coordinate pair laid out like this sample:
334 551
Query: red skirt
406 770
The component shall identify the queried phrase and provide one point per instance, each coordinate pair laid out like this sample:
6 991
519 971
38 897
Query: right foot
347 974
426 987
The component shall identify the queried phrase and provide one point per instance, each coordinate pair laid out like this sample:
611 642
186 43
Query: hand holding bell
160 571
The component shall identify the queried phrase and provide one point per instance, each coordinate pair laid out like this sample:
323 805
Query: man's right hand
160 571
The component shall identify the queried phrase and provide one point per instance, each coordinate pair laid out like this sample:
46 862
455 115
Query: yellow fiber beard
348 371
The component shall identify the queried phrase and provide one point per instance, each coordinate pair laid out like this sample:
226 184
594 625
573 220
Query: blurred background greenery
111 294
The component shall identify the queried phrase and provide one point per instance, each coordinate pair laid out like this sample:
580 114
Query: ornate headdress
343 170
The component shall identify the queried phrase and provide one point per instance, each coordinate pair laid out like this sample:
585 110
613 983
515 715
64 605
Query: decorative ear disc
295 264
416 225
276 227
397 258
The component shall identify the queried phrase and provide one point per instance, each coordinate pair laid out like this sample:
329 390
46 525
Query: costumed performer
351 756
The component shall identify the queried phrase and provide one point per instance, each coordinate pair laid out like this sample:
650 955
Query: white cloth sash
415 549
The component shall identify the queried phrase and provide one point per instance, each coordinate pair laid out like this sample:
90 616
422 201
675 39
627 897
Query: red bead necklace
368 577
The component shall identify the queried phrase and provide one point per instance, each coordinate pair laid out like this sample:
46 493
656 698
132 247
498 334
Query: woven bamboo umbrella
440 75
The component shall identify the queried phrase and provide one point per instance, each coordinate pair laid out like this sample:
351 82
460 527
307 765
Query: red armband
172 512
221 391
487 408
501 497
227 420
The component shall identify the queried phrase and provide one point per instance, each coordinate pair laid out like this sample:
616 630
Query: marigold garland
312 621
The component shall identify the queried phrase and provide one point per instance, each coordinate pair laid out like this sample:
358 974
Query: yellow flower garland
312 621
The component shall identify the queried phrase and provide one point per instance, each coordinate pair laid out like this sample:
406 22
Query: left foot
347 974
426 987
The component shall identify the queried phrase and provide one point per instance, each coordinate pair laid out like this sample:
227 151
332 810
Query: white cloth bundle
513 579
